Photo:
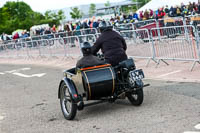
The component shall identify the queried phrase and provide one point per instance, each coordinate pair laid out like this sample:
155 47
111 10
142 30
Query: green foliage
53 18
92 9
107 4
19 15
76 13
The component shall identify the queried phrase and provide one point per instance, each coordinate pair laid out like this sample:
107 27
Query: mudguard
72 89
139 84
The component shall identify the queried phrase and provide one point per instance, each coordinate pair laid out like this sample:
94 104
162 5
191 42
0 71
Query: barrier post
185 29
198 49
158 30
152 49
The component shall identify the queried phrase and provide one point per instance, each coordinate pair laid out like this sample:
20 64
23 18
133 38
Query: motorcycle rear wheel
136 98
68 107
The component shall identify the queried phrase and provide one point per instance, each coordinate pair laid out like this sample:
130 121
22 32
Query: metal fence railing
175 43
178 43
139 44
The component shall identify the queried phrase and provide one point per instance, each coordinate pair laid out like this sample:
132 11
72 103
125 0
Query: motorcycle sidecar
91 83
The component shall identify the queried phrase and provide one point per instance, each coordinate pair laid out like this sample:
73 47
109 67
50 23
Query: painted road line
29 76
1 118
197 126
21 69
191 132
2 73
12 71
169 73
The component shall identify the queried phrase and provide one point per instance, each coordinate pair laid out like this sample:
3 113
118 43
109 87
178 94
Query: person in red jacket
16 36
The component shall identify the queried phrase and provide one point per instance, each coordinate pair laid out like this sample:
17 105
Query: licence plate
136 74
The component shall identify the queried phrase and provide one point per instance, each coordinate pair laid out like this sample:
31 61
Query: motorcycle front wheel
136 97
68 107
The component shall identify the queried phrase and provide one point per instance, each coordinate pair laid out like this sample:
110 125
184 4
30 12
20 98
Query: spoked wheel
68 107
136 98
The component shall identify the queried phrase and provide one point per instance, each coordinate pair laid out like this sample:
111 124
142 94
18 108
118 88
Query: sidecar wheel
68 107
136 98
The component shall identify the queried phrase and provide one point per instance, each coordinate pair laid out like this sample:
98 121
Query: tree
107 4
52 17
15 16
76 13
19 15
61 15
92 9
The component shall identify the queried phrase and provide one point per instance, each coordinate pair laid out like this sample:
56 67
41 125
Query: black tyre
68 107
136 98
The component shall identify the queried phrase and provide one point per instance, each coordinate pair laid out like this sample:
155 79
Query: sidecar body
91 83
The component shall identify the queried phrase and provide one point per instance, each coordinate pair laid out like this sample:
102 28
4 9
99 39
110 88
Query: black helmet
105 25
86 48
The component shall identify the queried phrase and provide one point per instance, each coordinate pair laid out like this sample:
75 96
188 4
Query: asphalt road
29 104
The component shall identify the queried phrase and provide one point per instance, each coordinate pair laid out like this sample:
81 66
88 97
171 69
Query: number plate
136 74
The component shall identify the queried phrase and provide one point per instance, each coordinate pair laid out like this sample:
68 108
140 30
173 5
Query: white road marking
169 73
197 126
1 117
29 76
12 71
21 69
191 132
2 73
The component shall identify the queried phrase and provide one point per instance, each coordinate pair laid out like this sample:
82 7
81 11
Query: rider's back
113 47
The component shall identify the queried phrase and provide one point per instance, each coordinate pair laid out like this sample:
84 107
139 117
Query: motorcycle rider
112 44
88 59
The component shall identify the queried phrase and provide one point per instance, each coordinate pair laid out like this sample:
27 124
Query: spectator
135 16
146 15
96 24
161 13
185 11
166 9
193 12
198 8
54 28
24 34
111 19
141 15
85 24
150 13
130 16
47 31
3 37
178 11
194 6
182 7
190 7
16 36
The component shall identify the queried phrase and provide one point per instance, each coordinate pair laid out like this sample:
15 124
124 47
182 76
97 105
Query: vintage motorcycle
101 83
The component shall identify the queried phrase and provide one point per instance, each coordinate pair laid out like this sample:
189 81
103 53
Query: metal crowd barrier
179 43
71 46
123 27
175 43
90 38
138 44
144 24
88 31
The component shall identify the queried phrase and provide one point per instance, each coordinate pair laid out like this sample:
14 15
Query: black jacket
112 45
89 61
